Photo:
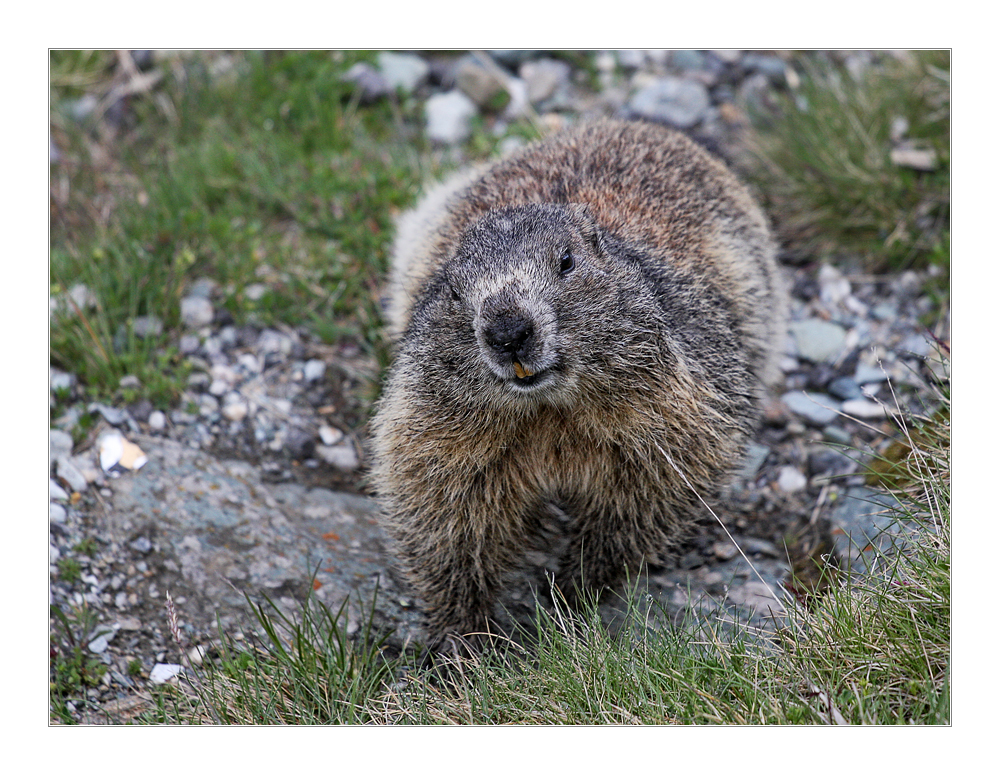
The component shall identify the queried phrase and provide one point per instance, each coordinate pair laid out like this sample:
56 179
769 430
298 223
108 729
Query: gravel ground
254 483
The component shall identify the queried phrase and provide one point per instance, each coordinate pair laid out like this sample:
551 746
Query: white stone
833 286
161 673
341 456
249 362
60 380
197 655
404 71
791 479
146 326
57 493
449 117
71 475
157 420
866 410
196 311
255 291
60 444
330 436
313 370
57 513
235 410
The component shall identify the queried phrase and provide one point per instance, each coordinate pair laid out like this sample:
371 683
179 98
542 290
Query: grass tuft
824 160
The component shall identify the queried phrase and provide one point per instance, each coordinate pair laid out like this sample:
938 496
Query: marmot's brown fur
587 324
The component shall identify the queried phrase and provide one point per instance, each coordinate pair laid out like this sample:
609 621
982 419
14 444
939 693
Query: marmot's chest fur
593 319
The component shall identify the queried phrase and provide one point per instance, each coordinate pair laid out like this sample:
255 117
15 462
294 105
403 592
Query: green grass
72 668
823 161
270 174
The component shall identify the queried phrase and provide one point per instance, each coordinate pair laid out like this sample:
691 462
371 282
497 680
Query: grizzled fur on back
588 323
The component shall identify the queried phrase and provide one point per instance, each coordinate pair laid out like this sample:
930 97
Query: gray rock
480 83
300 443
161 673
864 409
256 291
129 382
884 310
342 456
543 77
147 326
865 374
866 529
157 420
771 66
833 286
631 59
71 475
189 343
57 513
60 444
61 381
815 408
687 59
203 288
844 388
330 436
837 435
519 105
915 344
791 479
196 311
313 370
371 84
142 545
752 545
402 71
271 341
235 409
512 57
109 413
755 456
57 493
817 340
449 117
677 101
82 296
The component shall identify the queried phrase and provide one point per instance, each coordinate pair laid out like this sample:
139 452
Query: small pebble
57 493
844 388
330 436
790 479
235 410
157 420
71 475
161 673
313 370
864 409
60 444
196 311
57 513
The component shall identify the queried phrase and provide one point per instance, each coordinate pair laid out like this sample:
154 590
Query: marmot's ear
584 220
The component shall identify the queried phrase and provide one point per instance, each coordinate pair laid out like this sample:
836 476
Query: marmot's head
530 304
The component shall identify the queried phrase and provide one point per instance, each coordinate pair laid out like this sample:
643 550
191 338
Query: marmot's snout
516 345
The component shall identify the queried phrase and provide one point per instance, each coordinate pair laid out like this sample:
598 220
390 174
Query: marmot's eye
454 293
567 262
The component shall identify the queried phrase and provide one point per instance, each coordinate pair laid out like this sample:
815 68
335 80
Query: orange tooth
521 372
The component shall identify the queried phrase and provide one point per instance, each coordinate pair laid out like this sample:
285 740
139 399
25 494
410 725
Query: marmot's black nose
509 335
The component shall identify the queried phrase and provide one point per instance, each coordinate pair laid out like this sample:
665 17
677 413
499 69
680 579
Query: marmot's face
525 284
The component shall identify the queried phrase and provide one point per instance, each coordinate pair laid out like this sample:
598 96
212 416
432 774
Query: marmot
587 323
